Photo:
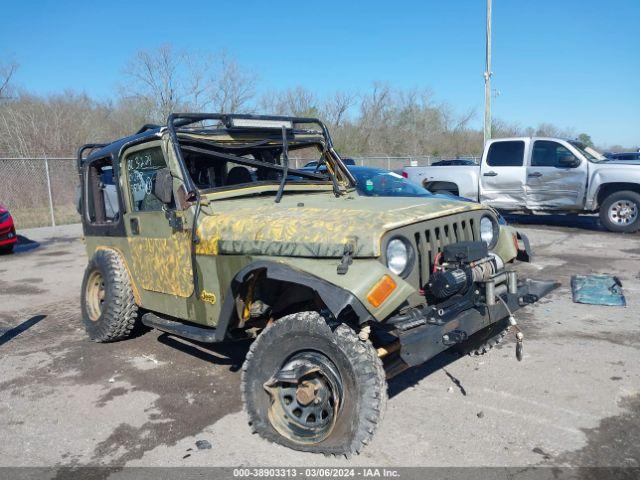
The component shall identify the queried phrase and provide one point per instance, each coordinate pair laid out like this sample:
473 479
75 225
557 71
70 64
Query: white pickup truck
535 174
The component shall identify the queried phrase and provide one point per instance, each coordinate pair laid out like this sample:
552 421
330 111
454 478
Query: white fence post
46 168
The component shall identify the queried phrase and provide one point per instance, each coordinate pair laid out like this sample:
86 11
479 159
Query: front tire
620 212
313 389
109 310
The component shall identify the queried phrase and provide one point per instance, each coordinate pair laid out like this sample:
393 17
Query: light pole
487 78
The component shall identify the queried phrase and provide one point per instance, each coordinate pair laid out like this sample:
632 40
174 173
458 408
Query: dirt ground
573 400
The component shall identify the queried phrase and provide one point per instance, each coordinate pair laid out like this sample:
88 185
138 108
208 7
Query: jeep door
556 176
160 255
502 174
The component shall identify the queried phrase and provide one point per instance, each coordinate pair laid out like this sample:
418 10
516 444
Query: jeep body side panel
196 310
160 256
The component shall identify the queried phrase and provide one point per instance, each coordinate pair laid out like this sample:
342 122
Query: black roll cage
251 162
90 147
177 120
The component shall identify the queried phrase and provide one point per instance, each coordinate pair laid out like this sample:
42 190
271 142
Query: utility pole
487 78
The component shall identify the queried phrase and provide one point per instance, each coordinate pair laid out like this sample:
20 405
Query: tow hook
519 337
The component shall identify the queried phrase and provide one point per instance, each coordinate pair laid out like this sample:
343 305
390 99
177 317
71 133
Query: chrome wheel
306 395
623 212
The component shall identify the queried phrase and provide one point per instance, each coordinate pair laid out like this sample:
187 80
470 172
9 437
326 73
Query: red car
8 237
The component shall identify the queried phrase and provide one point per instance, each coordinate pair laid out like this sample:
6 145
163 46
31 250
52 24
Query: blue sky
574 63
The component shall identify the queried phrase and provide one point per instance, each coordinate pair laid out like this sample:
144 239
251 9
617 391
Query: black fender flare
335 298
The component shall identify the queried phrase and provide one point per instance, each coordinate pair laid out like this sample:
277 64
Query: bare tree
233 88
199 82
550 130
298 101
173 80
6 74
335 108
155 77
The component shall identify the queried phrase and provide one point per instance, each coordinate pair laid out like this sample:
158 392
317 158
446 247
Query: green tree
585 139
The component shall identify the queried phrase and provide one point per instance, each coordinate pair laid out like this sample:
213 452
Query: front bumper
425 332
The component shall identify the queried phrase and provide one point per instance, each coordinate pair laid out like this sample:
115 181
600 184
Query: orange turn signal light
381 290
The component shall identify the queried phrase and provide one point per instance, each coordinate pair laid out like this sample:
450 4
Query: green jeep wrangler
207 232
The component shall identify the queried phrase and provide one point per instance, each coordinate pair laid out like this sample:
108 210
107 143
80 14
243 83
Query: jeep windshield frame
180 134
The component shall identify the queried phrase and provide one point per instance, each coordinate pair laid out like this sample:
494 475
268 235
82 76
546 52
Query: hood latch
347 256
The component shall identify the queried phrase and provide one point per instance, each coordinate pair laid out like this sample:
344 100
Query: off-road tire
361 372
616 197
7 250
119 312
486 339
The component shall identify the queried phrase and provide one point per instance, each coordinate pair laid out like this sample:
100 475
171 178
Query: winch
463 264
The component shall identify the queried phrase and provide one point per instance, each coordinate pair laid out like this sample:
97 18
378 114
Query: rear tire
337 398
620 212
109 310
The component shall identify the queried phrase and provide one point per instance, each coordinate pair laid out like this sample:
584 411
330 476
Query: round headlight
489 231
398 256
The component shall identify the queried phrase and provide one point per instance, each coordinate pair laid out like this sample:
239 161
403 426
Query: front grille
430 237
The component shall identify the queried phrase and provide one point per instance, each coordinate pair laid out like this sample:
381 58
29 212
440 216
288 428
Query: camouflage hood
313 225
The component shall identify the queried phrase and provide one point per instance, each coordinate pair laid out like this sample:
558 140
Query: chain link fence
39 191
42 191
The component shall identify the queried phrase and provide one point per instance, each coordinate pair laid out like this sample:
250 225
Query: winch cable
513 323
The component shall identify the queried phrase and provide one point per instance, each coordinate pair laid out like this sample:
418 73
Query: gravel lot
574 400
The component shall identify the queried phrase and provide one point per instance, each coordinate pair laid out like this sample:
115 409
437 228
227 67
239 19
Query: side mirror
568 161
163 185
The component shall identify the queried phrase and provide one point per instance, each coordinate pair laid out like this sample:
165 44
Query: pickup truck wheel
620 212
313 389
109 311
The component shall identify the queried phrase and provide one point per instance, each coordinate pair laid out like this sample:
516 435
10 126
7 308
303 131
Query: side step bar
192 332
